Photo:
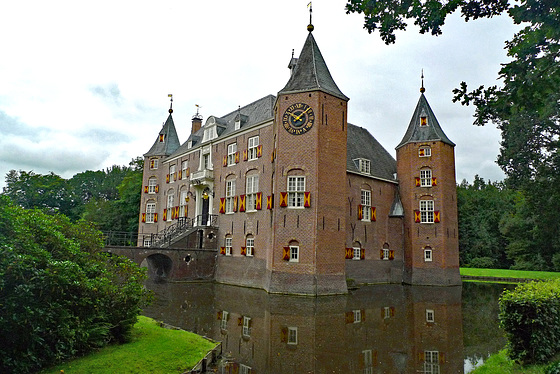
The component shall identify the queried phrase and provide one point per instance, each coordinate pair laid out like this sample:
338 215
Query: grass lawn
153 349
504 273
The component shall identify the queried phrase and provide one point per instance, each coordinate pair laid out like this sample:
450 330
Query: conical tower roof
167 141
420 130
311 72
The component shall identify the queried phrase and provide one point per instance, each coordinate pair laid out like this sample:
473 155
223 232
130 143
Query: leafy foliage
60 296
530 316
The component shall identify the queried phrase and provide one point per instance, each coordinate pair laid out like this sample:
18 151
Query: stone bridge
174 264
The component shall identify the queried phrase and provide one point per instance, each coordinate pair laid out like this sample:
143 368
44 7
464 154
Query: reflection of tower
426 172
310 165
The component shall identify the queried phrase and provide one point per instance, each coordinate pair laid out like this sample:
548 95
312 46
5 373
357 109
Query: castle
294 199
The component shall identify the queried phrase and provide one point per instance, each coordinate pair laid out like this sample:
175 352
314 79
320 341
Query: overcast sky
84 85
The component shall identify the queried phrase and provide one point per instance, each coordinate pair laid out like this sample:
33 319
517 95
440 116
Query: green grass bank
153 349
498 275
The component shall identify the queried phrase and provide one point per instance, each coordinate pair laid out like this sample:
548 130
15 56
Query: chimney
196 123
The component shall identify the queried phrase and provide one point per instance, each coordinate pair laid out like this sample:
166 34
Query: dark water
374 329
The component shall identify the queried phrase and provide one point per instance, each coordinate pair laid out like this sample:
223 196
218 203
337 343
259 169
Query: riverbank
505 275
153 349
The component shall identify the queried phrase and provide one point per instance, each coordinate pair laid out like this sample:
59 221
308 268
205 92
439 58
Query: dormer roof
167 141
311 72
424 126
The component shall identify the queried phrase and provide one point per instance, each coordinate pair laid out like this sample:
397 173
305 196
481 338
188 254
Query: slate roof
417 133
361 144
170 143
311 72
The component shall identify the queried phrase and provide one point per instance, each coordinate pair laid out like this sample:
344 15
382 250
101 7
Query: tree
60 296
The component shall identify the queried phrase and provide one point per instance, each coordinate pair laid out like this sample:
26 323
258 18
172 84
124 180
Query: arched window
428 254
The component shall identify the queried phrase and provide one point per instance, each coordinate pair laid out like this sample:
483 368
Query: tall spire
167 141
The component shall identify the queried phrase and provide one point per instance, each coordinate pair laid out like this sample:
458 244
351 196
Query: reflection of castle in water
378 329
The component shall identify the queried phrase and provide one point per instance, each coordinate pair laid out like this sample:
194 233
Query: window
251 192
250 246
368 361
184 167
423 120
172 175
357 253
206 161
147 242
426 178
246 326
431 363
428 255
366 205
296 188
252 146
154 163
228 246
292 335
161 138
294 253
357 315
223 322
230 196
231 151
183 204
150 212
170 204
426 211
244 369
364 165
430 317
386 312
152 185
424 151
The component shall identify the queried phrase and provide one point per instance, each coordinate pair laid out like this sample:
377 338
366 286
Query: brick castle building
294 199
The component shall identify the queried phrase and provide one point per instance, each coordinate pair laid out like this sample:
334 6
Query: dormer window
364 165
161 138
210 131
423 119
237 123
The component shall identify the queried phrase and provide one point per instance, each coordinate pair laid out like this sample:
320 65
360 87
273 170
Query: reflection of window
251 192
427 211
244 369
357 315
252 146
368 361
230 196
296 188
426 178
250 246
231 151
294 253
431 362
386 251
228 246
223 322
292 335
366 205
428 255
430 316
150 212
152 183
246 326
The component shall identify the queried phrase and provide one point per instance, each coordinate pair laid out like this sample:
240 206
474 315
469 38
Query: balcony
202 176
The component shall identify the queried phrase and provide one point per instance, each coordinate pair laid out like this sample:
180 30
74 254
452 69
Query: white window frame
364 165
368 361
365 199
170 204
427 151
230 195
357 315
251 190
205 161
294 253
387 312
357 253
431 362
154 163
152 183
252 145
147 242
250 246
231 151
150 212
183 203
228 245
172 170
246 326
426 211
244 369
292 336
426 177
428 255
430 316
296 191
184 167
386 253
223 322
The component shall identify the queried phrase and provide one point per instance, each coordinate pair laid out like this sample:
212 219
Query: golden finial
422 89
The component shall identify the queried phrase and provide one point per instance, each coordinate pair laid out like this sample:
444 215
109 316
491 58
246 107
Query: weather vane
171 105
310 26
422 89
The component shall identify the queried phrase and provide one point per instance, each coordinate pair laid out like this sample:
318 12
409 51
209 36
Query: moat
373 329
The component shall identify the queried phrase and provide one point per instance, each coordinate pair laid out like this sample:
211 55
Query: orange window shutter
307 199
362 253
417 181
417 216
381 254
180 174
286 254
259 150
434 181
145 189
224 162
240 321
373 214
144 217
237 157
363 313
441 358
165 214
258 202
284 334
157 188
222 250
167 178
188 172
243 251
436 216
392 254
186 210
235 203
175 176
349 253
219 315
222 205
241 203
151 164
349 317
245 156
155 217
283 199
392 311
269 200
360 211
421 152
421 357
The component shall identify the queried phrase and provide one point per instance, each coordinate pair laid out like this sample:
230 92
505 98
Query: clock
298 119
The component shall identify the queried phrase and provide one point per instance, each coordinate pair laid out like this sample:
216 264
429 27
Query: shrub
553 368
59 295
530 316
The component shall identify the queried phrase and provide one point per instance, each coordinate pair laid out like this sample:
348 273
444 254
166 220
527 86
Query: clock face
298 118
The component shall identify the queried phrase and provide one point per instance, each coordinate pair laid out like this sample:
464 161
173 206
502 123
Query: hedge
530 316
